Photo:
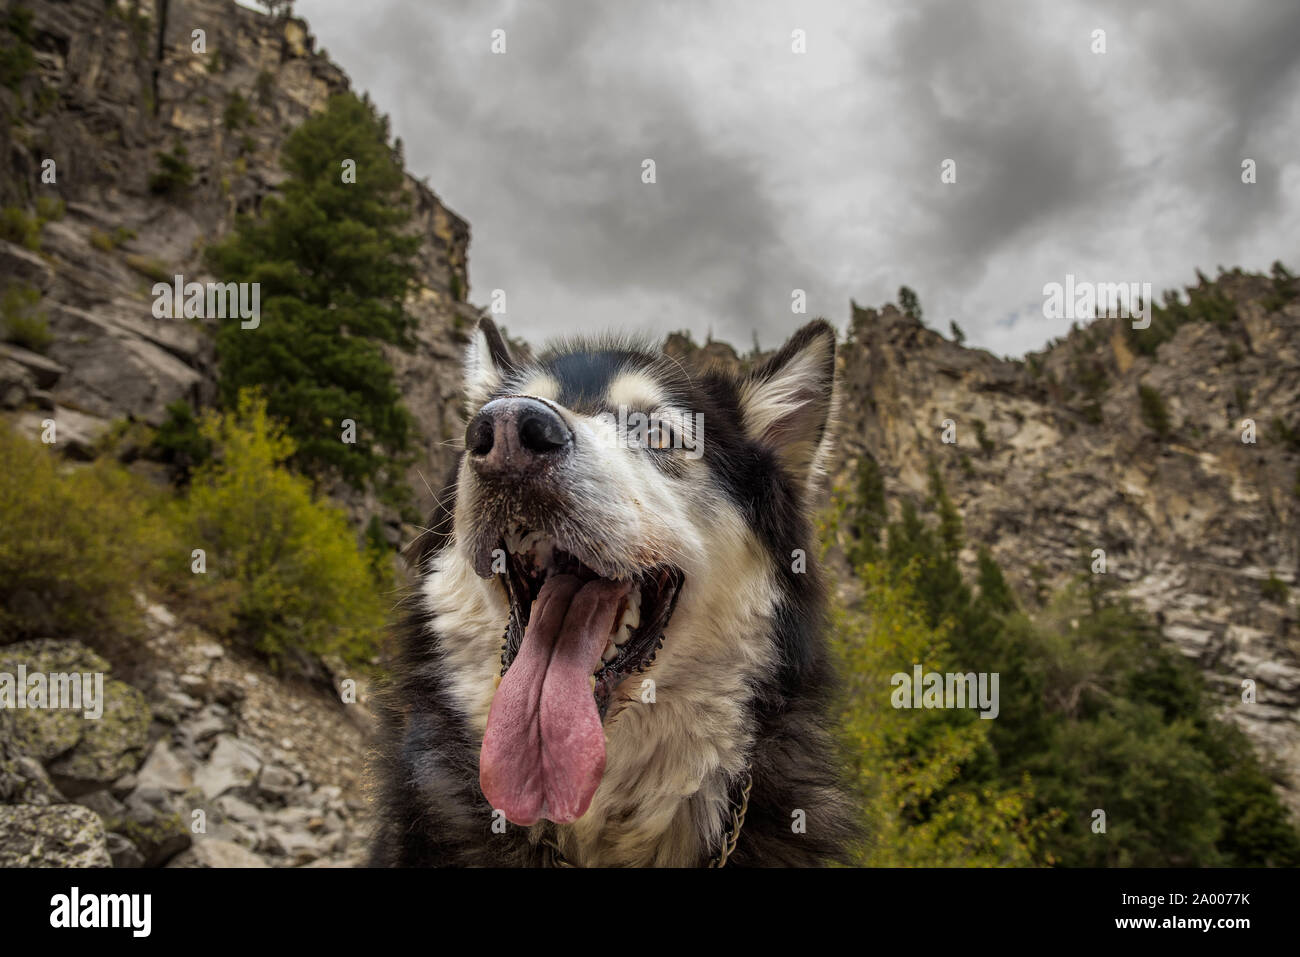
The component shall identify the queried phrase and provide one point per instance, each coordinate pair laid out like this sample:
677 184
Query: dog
616 654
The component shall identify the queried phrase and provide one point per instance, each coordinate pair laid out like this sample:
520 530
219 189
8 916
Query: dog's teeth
622 635
610 652
632 615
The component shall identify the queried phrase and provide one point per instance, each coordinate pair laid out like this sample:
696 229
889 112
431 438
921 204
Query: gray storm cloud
820 170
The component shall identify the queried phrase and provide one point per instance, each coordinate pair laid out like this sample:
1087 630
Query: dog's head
632 512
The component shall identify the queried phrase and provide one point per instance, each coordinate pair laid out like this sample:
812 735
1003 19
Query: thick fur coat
738 688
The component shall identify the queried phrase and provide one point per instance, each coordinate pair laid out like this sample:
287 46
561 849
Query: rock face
115 85
59 836
210 762
1053 458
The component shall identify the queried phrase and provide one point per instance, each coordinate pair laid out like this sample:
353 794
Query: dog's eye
659 435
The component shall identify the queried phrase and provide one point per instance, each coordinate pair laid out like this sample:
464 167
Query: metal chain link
729 837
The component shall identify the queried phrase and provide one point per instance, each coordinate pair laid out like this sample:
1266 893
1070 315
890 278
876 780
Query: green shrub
17 226
147 266
22 322
1286 435
179 442
1154 412
908 767
237 113
77 543
174 174
1274 589
301 586
16 57
50 209
102 241
1097 712
264 87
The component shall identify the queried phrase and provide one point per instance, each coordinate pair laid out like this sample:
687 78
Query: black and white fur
743 679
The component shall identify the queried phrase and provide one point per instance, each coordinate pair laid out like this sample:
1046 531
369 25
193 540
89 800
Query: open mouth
637 632
573 638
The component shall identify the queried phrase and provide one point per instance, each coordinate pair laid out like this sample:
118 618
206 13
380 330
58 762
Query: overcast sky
821 171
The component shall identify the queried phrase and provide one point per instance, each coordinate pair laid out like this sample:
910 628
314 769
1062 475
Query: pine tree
335 266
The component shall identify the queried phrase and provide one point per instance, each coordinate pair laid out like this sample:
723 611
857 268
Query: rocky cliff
1053 457
113 90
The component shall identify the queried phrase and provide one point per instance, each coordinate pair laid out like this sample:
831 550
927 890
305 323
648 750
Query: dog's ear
487 363
789 401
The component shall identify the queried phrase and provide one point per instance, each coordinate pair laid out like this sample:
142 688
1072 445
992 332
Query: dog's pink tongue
544 749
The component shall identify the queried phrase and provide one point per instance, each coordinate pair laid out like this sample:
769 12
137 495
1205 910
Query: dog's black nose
513 437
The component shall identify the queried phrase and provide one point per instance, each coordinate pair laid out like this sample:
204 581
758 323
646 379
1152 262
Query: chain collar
738 807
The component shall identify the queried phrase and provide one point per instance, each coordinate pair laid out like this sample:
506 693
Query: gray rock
123 852
22 778
164 770
277 782
213 852
238 809
159 831
42 371
232 764
62 835
207 724
17 384
47 733
103 803
25 266
110 746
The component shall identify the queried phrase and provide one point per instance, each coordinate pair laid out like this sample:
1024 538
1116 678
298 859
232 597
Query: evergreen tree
335 266
1096 713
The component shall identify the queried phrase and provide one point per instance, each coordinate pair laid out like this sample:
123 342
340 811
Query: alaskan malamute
616 652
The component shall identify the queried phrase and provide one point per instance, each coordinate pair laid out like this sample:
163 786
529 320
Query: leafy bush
908 767
16 57
77 542
148 266
1096 713
237 113
174 174
179 443
265 87
22 322
1274 589
301 586
17 226
1154 412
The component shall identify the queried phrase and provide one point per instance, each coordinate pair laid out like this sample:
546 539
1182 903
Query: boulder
110 746
61 835
232 764
213 852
